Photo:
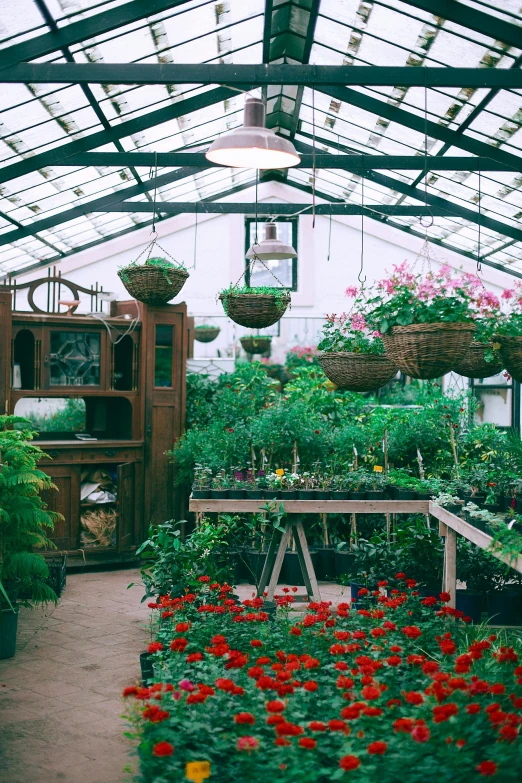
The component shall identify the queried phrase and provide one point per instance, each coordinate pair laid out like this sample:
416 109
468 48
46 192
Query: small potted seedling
237 485
289 483
356 481
340 487
451 503
220 486
202 482
375 484
306 490
324 485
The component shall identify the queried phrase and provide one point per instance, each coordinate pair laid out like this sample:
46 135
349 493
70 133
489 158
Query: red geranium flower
154 647
420 733
317 725
377 748
244 717
193 657
337 725
487 768
310 686
411 631
163 749
307 742
275 706
349 762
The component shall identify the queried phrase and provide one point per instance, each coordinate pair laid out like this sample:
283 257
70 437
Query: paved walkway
60 696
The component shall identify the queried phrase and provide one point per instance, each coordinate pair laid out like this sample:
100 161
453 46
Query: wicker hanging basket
153 285
428 350
206 334
357 372
511 352
256 344
255 310
474 365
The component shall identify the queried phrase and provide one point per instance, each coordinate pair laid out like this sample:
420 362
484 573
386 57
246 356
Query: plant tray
206 335
428 350
357 372
511 352
474 365
255 310
153 285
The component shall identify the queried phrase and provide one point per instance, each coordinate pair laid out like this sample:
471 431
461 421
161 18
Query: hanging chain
426 225
479 265
155 192
360 277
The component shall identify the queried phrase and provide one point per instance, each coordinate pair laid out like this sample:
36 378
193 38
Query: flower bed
399 689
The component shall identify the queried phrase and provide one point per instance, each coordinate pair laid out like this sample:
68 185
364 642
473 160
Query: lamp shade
271 248
252 146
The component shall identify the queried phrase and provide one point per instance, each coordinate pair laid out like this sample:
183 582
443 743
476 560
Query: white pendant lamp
252 146
271 248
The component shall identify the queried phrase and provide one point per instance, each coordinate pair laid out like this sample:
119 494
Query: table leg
268 564
283 544
305 561
450 566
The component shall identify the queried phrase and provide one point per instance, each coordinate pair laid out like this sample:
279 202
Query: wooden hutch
110 391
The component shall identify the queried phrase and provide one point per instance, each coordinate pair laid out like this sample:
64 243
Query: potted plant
206 333
450 502
255 485
202 482
340 487
352 356
402 484
376 483
220 486
429 488
306 486
256 343
289 484
24 522
323 485
237 485
256 307
155 282
426 322
273 486
356 481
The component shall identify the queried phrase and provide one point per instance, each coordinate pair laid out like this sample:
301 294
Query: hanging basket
428 350
256 344
357 372
255 310
206 334
474 365
153 285
511 353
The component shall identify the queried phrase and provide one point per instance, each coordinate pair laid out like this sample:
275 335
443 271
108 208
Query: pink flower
351 292
186 685
247 743
376 334
358 322
508 293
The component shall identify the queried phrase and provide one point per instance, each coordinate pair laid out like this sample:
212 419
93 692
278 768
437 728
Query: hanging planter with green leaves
257 307
155 282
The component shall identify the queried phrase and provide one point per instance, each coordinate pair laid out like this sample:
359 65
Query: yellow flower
280 471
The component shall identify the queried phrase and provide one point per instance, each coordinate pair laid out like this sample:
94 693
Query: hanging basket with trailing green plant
255 307
256 344
509 333
156 281
426 321
205 333
351 357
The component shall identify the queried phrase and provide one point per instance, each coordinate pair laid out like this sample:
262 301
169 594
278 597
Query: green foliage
70 418
281 295
24 519
339 334
160 263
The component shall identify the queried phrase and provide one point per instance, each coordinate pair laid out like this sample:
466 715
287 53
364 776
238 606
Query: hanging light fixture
252 146
271 248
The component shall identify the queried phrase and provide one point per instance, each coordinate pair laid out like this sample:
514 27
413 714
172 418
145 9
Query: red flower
131 690
244 717
420 733
429 601
204 579
307 742
508 733
281 741
403 725
182 627
178 645
487 768
256 643
394 660
377 748
275 706
196 698
444 712
363 591
411 631
413 697
401 575
154 647
317 725
247 743
337 725
370 692
163 749
310 686
444 598
193 657
349 762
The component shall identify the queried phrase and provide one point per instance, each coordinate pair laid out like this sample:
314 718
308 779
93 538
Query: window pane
494 407
75 359
163 356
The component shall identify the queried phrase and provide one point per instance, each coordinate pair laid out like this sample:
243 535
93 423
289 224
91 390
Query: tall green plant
24 519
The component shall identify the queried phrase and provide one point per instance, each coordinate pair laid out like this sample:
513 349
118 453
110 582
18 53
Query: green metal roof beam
260 75
277 209
76 32
362 162
470 17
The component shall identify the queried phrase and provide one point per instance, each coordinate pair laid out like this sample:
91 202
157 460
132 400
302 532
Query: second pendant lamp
271 248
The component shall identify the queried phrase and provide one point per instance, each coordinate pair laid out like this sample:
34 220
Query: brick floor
60 696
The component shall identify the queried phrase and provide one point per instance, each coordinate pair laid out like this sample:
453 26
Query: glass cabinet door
74 358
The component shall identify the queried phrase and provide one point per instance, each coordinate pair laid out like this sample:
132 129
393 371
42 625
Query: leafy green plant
159 263
24 518
349 333
281 295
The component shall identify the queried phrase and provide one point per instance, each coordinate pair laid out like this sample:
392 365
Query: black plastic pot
494 508
12 588
8 629
343 563
480 525
505 607
147 672
254 494
518 505
236 494
423 496
339 494
288 494
322 494
464 494
200 494
306 494
453 508
325 568
291 570
507 500
219 494
405 494
357 495
478 499
470 603
375 494
271 494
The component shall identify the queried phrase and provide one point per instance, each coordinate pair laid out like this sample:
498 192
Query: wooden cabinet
107 394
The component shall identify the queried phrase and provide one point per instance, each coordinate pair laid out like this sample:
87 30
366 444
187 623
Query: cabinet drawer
66 456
